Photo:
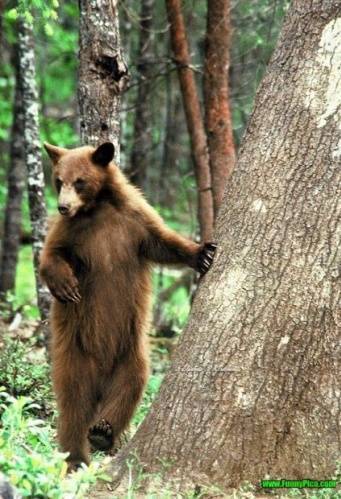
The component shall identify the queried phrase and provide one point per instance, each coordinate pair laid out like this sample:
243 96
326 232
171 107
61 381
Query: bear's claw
205 257
66 291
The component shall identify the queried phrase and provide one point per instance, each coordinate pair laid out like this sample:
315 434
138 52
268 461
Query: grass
25 296
29 457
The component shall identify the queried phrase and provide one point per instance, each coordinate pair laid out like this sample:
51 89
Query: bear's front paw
65 289
205 257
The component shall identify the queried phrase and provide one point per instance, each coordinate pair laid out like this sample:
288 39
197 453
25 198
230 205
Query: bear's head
79 175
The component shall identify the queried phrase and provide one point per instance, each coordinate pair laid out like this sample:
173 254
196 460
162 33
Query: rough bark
103 73
218 120
35 174
254 388
194 119
15 183
142 141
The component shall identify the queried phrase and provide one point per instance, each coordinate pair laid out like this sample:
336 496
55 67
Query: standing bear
97 264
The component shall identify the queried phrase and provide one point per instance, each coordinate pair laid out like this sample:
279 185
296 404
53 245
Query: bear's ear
103 154
54 152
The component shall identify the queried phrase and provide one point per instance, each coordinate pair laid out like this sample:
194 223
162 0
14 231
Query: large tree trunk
15 183
102 73
194 119
142 142
35 174
216 90
254 388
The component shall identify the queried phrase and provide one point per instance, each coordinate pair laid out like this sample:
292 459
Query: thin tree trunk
169 145
193 116
2 7
218 120
142 142
35 174
15 183
254 388
102 73
173 152
127 28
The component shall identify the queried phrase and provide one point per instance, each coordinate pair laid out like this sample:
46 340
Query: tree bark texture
35 174
254 388
218 120
194 119
15 188
142 142
103 73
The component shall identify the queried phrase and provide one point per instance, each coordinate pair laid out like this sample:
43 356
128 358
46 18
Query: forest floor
29 457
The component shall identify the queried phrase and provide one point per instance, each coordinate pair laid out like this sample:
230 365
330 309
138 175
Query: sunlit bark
102 73
35 174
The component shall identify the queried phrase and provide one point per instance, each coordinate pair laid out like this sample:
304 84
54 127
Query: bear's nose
63 209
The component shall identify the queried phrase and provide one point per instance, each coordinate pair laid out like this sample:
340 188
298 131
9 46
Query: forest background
168 182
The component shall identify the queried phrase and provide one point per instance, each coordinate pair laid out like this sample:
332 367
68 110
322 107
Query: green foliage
32 10
56 56
25 295
28 456
6 90
22 373
5 111
28 452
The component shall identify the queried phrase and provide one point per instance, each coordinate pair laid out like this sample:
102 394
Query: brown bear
97 264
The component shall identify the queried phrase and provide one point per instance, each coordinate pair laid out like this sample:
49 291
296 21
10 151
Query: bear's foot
101 436
74 465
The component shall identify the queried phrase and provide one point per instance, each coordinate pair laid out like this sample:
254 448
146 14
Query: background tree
253 388
2 5
195 123
35 174
102 73
142 141
175 152
16 183
218 120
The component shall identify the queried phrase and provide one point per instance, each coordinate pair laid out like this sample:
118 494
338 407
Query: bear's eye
79 183
59 184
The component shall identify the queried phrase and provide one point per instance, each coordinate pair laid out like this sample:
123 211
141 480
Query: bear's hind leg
121 397
74 380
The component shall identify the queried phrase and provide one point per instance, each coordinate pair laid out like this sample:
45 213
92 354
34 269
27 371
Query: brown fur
96 262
